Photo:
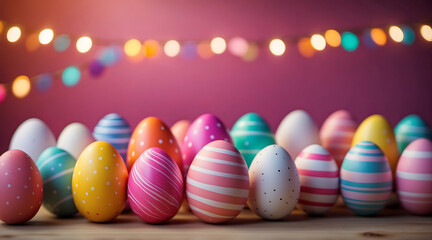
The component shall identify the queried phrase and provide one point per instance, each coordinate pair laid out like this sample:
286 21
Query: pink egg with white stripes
319 180
155 187
205 129
337 133
217 184
414 177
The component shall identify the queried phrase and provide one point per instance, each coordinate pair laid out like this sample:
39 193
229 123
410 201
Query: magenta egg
205 129
414 177
20 187
155 187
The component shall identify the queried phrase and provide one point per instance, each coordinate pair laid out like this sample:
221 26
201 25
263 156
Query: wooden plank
339 223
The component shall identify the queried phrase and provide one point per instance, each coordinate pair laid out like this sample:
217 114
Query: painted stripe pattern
115 130
250 134
337 133
56 167
317 197
155 187
414 177
409 129
217 184
366 179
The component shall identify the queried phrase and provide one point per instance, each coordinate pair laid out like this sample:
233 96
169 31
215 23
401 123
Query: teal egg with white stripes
250 134
114 129
411 128
366 179
56 167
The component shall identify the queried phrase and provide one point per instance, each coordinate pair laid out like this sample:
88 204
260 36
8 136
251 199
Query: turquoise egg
250 134
411 128
115 130
56 167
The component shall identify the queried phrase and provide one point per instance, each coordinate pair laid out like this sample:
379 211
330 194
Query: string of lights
136 49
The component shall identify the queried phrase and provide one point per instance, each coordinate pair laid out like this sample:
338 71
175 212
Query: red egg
20 187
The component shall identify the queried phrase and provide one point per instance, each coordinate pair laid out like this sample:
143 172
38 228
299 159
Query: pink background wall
394 80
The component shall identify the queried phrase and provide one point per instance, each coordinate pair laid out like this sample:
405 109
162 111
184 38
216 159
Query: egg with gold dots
99 182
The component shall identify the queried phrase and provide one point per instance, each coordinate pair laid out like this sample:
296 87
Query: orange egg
152 132
179 130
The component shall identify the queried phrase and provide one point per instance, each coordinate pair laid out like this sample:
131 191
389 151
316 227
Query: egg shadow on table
28 225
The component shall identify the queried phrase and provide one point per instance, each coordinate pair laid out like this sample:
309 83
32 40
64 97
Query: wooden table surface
339 223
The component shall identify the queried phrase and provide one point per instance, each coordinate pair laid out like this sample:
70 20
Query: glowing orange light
305 48
32 42
151 48
21 86
378 36
204 50
332 38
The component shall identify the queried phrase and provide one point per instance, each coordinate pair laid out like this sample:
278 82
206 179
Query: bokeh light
332 38
21 86
110 55
84 44
132 47
277 47
318 42
1 26
61 43
238 46
172 48
13 34
396 33
204 50
96 68
349 41
378 36
151 48
46 36
426 32
3 92
71 76
305 47
408 35
218 45
189 50
44 82
251 53
32 42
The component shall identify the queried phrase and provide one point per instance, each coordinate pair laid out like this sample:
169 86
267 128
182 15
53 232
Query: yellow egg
378 130
99 182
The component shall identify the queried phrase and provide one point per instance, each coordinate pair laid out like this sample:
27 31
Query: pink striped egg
337 133
319 180
217 184
205 129
414 177
155 187
366 179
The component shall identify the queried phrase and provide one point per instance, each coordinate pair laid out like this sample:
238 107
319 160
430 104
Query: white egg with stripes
56 167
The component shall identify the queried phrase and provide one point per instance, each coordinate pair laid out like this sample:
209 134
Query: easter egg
32 136
250 134
410 128
414 177
217 183
366 179
378 130
319 180
297 131
155 186
20 186
56 167
205 129
274 183
99 182
336 134
179 130
114 129
152 132
74 138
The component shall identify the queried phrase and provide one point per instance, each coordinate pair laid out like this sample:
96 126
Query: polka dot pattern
20 186
410 128
56 167
205 129
100 197
152 132
274 183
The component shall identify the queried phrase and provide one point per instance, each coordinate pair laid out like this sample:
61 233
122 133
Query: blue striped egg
56 167
250 134
366 179
115 130
409 129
